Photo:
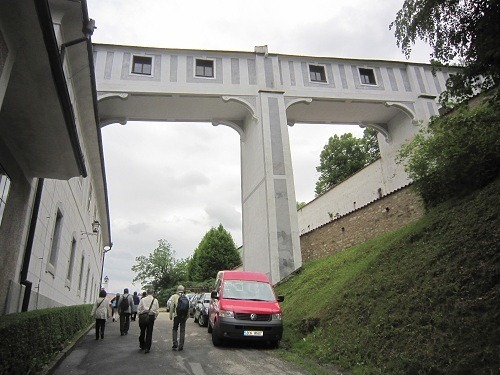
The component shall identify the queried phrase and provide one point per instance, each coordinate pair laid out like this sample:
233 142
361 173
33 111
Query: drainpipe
29 246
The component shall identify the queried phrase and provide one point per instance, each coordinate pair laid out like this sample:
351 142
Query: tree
456 153
215 252
343 156
160 269
457 30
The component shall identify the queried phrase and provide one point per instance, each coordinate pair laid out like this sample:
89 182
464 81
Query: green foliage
423 299
300 205
345 155
464 31
456 154
159 270
32 339
215 252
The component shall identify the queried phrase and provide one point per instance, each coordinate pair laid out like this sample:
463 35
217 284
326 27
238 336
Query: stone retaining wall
385 214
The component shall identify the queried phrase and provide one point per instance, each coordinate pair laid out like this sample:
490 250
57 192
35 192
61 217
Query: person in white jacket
100 312
148 306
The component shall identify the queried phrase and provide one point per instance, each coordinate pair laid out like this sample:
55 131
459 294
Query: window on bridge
204 68
317 73
367 76
142 65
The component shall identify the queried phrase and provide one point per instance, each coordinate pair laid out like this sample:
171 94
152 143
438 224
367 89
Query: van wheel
216 340
275 344
209 329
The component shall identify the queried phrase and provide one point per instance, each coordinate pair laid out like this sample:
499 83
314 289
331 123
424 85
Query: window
204 68
81 274
89 199
142 65
317 73
367 76
56 238
71 264
4 191
86 285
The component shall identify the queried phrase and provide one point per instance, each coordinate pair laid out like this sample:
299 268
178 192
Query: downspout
29 246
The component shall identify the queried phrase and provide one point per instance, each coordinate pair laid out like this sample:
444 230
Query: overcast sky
175 181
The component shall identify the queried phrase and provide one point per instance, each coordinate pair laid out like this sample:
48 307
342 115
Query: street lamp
105 250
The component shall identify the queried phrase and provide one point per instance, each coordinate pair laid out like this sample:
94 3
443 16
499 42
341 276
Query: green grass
419 300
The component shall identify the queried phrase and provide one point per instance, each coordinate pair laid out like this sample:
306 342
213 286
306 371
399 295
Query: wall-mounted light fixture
96 226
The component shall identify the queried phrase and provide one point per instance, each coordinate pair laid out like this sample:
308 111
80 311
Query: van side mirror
281 298
214 294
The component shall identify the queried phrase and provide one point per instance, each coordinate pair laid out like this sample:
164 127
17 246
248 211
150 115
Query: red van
244 306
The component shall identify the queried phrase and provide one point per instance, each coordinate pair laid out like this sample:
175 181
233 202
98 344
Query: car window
248 290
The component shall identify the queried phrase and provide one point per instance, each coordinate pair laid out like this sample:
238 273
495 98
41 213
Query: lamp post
105 250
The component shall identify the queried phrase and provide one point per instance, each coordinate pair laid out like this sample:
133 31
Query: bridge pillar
271 241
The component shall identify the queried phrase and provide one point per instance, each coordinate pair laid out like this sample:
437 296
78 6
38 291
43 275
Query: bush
456 154
32 339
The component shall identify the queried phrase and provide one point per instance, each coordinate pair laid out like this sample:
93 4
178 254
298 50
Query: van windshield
248 290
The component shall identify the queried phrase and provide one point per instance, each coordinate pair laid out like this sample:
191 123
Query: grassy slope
423 299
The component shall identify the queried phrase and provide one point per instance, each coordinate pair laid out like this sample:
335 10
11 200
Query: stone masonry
390 212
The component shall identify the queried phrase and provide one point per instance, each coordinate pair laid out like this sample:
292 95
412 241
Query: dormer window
142 65
367 76
317 73
204 68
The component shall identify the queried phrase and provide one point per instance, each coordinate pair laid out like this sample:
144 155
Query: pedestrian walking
136 299
148 310
125 310
100 312
179 311
114 304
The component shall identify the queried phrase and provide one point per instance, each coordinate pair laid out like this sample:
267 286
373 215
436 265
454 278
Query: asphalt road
117 354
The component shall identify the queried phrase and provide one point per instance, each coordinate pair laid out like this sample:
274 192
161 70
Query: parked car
244 306
192 304
201 309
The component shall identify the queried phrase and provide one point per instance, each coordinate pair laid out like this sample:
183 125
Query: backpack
182 306
124 304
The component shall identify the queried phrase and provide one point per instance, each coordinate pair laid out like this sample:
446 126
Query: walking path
116 354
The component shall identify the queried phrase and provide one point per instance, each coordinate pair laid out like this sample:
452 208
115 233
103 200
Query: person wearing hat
178 321
147 305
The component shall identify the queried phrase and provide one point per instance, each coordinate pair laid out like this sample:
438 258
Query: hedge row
31 340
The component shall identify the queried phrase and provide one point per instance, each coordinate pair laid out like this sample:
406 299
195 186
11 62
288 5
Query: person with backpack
114 304
136 299
179 311
124 308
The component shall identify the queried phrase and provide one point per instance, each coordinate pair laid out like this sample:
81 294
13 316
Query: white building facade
54 217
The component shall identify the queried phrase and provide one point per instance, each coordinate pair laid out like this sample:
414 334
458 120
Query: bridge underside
121 108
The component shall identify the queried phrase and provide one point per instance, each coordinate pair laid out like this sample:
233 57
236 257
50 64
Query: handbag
144 317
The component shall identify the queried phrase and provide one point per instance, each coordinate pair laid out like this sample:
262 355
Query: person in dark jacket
125 313
134 306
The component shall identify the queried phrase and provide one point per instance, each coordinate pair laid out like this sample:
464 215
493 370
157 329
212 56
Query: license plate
253 333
